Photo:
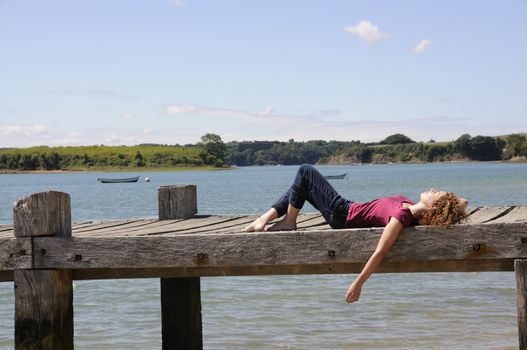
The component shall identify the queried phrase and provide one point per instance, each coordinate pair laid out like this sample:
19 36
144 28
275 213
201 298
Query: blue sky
128 72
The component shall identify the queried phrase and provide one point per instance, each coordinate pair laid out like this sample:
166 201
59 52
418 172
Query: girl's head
444 208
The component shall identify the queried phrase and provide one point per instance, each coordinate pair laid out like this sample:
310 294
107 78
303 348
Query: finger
349 298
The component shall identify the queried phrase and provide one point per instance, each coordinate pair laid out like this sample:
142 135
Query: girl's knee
306 168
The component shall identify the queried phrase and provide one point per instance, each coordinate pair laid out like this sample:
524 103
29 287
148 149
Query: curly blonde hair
446 211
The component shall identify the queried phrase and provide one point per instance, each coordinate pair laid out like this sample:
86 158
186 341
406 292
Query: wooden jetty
43 252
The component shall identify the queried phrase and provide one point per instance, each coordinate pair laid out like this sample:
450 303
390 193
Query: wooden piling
180 297
520 268
43 298
177 202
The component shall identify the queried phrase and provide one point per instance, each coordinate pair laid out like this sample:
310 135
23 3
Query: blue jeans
311 186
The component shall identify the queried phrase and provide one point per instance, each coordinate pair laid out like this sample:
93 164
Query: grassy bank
106 158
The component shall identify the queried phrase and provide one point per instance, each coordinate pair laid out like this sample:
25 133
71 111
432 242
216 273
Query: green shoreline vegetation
213 153
207 154
396 148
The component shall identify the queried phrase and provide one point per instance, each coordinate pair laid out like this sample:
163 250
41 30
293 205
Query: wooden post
177 202
520 268
180 297
43 298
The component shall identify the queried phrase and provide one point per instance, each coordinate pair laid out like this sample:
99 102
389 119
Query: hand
353 293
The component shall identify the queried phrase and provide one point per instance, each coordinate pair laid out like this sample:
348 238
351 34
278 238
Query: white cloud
181 109
74 138
421 46
22 130
120 137
127 116
267 110
366 31
264 116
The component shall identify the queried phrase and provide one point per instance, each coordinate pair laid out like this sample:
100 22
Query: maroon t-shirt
378 212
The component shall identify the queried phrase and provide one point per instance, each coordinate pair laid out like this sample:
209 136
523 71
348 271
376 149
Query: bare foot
283 225
257 225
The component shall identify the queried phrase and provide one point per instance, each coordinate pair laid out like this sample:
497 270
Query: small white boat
335 177
121 180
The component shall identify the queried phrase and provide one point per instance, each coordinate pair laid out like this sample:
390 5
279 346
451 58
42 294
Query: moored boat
121 180
335 177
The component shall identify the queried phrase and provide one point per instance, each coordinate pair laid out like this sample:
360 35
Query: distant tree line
212 151
395 148
286 153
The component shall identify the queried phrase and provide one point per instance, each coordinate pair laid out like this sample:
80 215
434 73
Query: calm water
396 311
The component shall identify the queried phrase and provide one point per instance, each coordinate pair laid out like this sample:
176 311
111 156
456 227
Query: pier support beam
520 268
180 297
43 298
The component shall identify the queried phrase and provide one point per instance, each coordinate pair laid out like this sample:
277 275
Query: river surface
396 311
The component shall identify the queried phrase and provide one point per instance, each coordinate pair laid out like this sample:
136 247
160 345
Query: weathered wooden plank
192 226
236 226
231 226
151 226
315 221
6 227
385 267
80 224
322 268
479 265
106 224
124 228
169 226
422 243
485 214
518 214
15 253
95 224
225 223
7 234
520 268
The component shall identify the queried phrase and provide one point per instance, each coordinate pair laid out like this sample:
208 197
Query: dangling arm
388 238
